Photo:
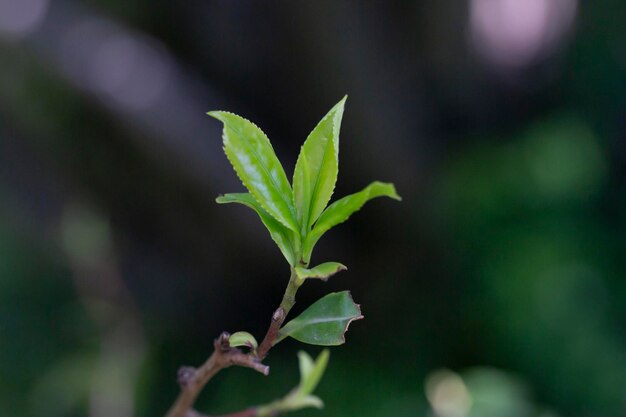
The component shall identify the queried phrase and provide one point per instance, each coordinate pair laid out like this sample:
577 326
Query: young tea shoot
296 214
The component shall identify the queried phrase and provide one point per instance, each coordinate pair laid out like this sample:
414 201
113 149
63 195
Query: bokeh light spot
512 33
19 18
565 160
129 72
447 394
125 69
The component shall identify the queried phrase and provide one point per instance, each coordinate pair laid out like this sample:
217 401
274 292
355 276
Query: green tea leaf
300 397
322 271
279 233
339 211
311 373
242 339
249 151
305 363
291 402
308 401
316 170
324 322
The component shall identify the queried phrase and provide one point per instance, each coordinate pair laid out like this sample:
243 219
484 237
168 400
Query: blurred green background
495 289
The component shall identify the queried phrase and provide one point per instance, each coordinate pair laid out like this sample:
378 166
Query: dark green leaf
249 151
279 233
316 170
342 209
325 322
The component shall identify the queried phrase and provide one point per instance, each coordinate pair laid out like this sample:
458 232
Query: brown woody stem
192 380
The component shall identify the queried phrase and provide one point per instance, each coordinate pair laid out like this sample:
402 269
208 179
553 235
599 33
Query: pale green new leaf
322 271
238 339
339 211
305 363
308 401
249 151
324 322
292 402
300 397
316 170
311 373
279 233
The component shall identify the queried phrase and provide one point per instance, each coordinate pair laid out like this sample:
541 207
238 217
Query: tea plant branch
297 215
300 397
192 380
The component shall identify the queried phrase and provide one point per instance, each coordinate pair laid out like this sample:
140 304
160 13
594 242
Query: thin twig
272 332
192 380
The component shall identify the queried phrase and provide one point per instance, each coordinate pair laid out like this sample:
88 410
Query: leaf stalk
279 316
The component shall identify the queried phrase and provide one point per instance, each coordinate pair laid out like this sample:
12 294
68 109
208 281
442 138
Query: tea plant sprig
296 215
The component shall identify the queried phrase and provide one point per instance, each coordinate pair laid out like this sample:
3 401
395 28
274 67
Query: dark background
501 122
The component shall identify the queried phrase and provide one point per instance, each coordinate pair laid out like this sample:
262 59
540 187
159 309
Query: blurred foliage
505 261
545 260
481 392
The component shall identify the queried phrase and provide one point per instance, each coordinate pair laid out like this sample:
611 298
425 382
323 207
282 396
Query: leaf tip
358 316
323 358
392 193
216 114
341 104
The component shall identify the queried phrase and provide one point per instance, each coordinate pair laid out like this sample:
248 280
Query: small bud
185 375
243 339
223 341
279 314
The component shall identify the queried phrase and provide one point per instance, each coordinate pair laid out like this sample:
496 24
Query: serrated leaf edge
288 201
315 234
335 143
290 256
